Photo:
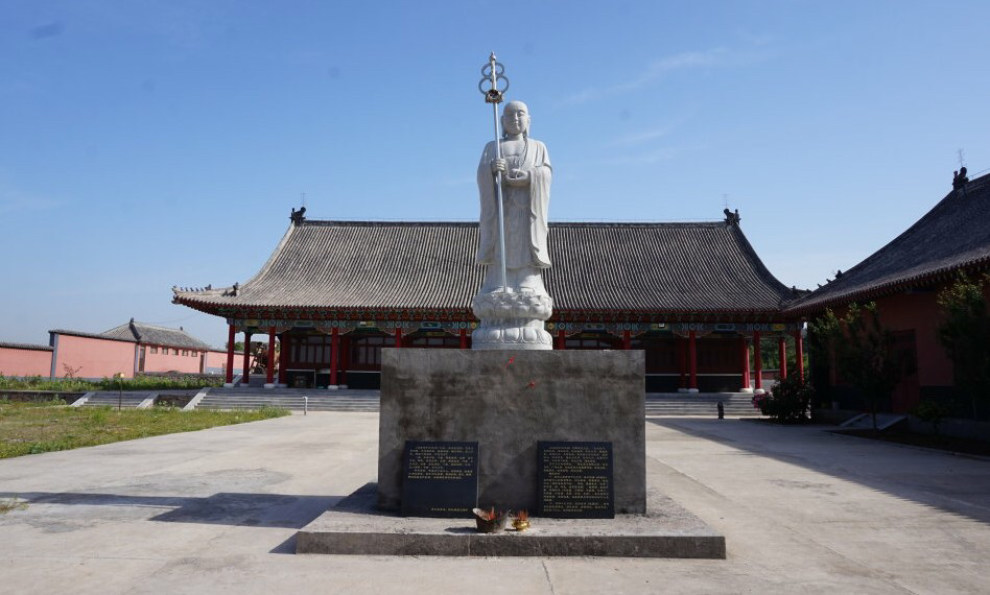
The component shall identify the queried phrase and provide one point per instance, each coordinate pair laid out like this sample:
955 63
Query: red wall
920 312
217 360
160 362
93 357
16 361
90 357
187 364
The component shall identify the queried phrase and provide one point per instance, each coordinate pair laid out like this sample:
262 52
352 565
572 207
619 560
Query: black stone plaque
576 480
439 479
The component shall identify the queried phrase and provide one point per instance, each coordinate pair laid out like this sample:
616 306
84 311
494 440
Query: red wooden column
334 355
782 350
464 344
799 354
345 357
681 347
626 340
283 358
759 361
230 354
744 356
693 358
561 340
247 357
270 364
398 336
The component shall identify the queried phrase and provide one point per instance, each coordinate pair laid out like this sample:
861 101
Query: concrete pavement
215 511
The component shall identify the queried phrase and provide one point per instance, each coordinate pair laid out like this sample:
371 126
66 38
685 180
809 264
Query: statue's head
515 118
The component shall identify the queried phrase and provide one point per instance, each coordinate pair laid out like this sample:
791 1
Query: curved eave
891 287
320 312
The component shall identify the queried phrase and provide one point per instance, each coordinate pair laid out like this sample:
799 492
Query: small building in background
132 348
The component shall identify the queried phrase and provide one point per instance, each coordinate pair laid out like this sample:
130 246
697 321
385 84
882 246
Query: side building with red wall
903 279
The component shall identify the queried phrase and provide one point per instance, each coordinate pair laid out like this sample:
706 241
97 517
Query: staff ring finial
492 74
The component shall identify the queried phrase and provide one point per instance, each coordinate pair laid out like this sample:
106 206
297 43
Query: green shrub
788 401
191 382
932 412
964 332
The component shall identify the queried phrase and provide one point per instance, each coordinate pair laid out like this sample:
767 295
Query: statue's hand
517 177
498 165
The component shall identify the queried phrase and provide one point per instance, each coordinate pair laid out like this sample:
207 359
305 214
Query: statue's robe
525 210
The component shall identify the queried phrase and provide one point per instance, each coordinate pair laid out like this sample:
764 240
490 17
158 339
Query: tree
868 358
824 338
861 350
965 335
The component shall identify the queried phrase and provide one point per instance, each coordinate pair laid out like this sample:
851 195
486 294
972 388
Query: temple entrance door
364 363
662 364
907 393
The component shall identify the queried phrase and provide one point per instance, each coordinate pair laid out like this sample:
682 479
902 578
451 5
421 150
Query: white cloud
639 137
652 73
13 200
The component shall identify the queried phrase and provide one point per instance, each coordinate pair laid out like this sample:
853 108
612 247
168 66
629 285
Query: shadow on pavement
952 483
286 547
250 510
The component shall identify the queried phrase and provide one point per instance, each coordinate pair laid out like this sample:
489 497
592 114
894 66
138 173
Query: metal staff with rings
514 176
492 73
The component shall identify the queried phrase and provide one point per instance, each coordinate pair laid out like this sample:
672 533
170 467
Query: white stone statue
526 174
512 315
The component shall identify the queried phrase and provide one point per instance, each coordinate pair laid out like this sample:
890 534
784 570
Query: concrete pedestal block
507 401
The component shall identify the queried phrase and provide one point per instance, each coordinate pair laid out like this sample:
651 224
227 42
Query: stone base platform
355 526
507 402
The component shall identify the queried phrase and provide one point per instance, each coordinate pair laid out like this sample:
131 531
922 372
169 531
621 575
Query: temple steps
127 400
699 405
294 399
657 404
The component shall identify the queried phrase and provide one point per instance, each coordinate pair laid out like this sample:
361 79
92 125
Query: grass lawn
30 428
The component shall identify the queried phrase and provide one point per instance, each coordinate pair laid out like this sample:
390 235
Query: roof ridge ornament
731 218
133 328
959 179
299 216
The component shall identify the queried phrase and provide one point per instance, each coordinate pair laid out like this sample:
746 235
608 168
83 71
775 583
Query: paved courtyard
215 511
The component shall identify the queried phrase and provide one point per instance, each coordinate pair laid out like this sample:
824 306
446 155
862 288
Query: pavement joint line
546 573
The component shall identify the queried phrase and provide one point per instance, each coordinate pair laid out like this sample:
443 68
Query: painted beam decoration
256 325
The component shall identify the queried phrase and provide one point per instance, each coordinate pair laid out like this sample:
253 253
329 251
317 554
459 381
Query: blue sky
146 144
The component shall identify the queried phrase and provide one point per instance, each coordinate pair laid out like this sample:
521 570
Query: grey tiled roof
954 235
26 346
684 267
148 334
